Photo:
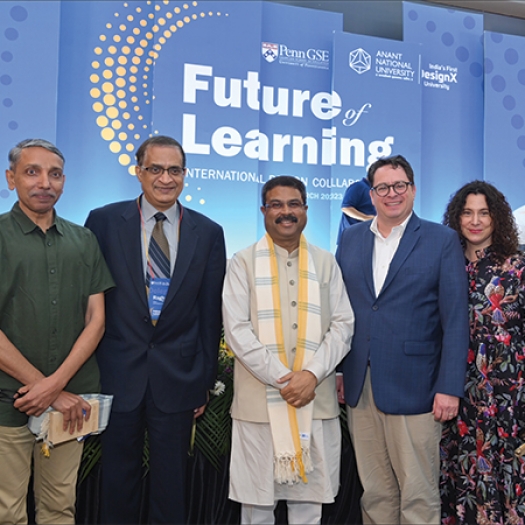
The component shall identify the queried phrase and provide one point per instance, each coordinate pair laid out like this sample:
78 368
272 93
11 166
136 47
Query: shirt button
294 303
151 345
49 243
289 263
294 326
54 301
293 350
375 307
52 271
292 282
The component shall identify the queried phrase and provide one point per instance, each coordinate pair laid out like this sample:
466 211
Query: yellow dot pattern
126 51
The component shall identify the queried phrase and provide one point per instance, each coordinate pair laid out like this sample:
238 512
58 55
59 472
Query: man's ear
10 177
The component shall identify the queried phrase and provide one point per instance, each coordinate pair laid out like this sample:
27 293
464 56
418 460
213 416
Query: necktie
159 250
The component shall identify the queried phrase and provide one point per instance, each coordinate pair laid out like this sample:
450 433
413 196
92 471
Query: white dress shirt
384 250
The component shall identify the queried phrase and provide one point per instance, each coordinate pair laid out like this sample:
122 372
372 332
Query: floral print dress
482 479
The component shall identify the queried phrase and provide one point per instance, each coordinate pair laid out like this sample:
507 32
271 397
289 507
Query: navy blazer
415 333
178 356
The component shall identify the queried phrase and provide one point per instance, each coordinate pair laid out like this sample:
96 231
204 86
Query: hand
340 389
74 409
300 389
445 407
35 398
199 411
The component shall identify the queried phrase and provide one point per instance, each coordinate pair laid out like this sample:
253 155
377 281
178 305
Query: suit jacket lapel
131 248
185 253
406 245
368 252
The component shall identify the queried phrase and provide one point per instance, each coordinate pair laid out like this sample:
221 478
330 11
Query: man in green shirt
51 320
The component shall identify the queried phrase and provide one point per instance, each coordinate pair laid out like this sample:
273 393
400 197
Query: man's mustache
43 194
291 218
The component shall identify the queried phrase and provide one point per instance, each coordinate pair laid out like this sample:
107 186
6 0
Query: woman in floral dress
482 471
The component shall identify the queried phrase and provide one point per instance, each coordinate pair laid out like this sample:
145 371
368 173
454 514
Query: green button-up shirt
45 283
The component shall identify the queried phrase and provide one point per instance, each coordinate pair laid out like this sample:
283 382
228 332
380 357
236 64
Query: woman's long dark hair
505 235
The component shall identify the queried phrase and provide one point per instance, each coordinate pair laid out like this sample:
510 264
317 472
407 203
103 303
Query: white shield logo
269 51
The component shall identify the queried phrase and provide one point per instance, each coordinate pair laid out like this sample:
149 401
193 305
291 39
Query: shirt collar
28 226
283 252
399 229
148 211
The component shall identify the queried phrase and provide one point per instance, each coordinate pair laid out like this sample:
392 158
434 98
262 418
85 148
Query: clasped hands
35 398
300 389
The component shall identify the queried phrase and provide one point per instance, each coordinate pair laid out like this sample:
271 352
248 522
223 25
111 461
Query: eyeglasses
173 171
8 396
399 188
279 205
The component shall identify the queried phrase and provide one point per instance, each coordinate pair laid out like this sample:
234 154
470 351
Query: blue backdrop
451 76
256 89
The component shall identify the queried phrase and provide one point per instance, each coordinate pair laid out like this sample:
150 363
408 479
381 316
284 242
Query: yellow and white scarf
290 427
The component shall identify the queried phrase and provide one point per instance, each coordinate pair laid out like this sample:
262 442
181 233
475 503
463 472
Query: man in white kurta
252 460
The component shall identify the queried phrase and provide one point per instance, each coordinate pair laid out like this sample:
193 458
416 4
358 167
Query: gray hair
14 154
159 140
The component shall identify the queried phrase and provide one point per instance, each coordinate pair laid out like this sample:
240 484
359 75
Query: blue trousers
122 446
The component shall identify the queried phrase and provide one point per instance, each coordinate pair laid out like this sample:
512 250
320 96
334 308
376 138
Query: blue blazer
178 356
415 333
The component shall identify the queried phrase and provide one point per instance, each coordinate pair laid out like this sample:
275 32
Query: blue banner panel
29 37
452 100
296 113
244 120
505 119
206 85
377 112
102 116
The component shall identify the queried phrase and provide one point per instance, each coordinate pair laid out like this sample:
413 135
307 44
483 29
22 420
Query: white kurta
251 466
251 469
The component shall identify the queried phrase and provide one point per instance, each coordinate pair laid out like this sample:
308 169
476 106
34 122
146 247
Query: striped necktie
159 250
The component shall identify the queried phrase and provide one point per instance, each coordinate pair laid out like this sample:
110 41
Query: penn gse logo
270 51
360 61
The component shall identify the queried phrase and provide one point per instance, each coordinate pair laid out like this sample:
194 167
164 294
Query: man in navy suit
405 371
159 353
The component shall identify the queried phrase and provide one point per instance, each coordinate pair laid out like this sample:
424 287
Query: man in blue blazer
405 371
158 356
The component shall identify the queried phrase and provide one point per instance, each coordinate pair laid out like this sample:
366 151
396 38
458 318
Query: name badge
158 289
